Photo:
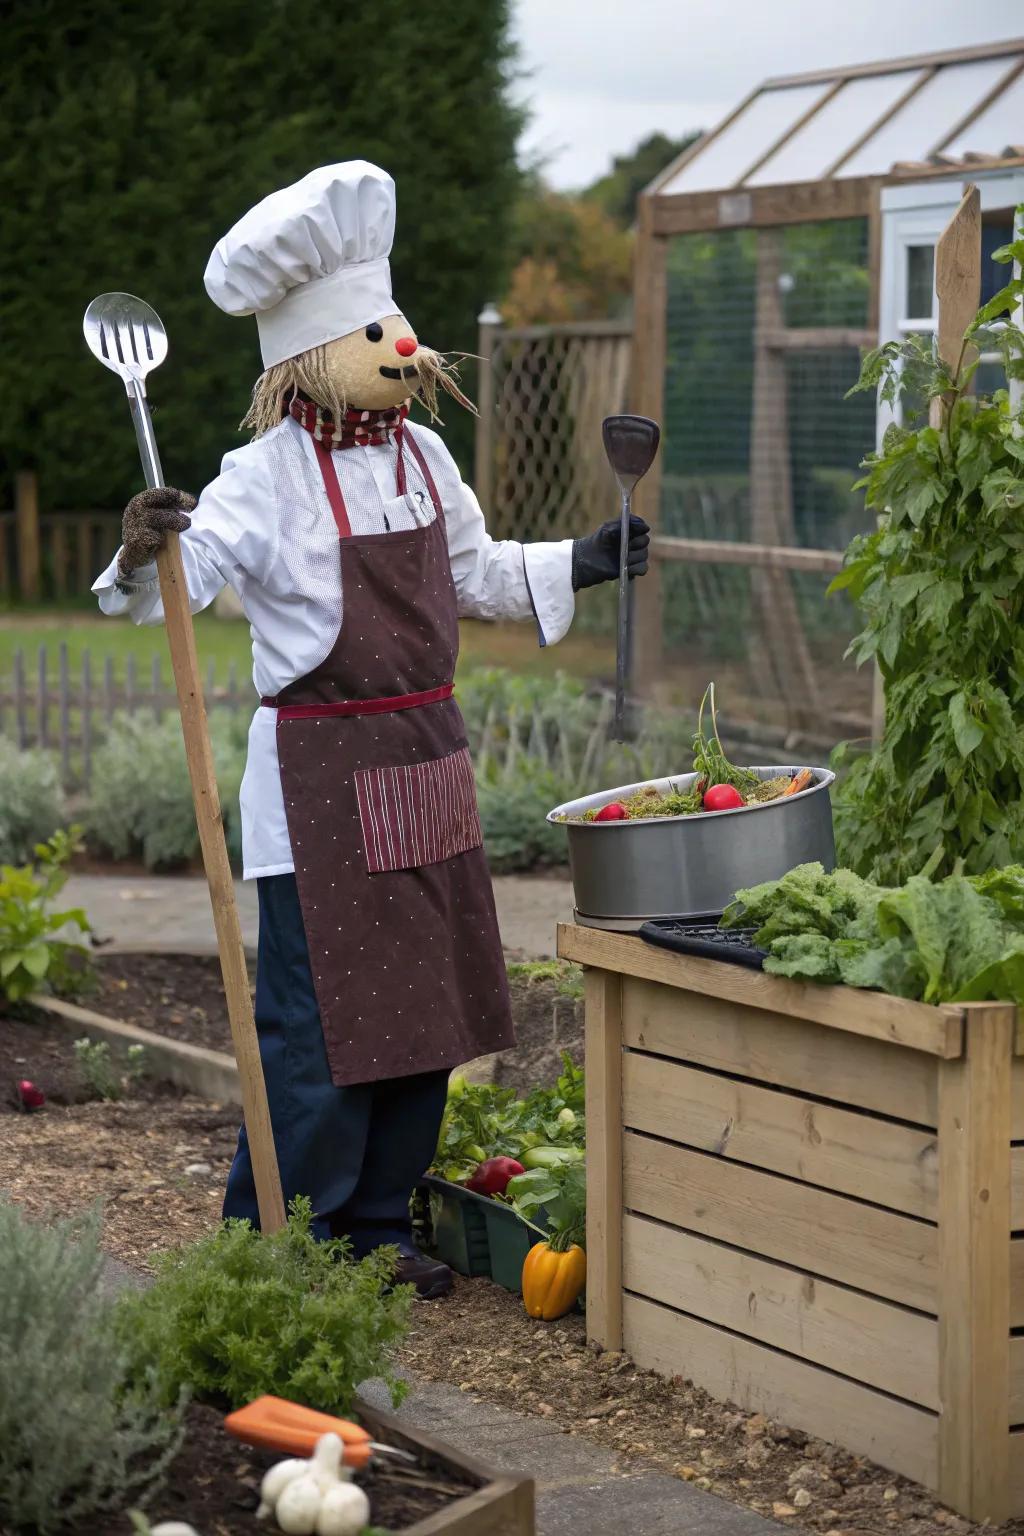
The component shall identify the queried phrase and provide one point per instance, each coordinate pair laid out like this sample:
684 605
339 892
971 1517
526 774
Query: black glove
148 518
596 558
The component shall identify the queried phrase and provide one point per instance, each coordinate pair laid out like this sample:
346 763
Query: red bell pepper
492 1176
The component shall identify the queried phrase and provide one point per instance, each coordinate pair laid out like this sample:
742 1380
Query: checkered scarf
360 429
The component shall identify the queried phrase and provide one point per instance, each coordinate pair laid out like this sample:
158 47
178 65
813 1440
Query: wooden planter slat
876 1251
763 1380
820 1144
502 1506
770 1047
935 1030
858 1336
807 1201
1017 1381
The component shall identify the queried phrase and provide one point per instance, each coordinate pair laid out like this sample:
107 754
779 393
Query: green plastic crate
477 1236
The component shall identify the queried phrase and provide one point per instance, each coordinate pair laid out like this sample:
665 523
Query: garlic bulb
315 1497
276 1480
344 1511
297 1509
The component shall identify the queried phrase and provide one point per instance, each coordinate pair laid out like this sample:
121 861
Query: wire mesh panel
761 447
553 386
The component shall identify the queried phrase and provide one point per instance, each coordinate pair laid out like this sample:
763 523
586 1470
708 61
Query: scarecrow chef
354 547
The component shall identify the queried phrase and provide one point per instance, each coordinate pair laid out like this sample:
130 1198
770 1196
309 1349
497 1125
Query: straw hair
309 375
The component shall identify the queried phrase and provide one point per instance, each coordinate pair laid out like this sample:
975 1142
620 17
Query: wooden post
603 1021
488 321
202 773
778 635
42 702
647 398
83 556
64 693
59 556
20 699
958 285
974 1265
86 719
26 514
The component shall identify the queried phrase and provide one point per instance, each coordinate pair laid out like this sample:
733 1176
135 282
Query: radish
722 797
615 811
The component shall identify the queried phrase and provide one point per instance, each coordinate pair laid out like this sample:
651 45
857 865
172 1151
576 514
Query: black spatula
630 443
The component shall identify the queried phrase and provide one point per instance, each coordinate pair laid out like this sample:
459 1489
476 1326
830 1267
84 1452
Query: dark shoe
430 1277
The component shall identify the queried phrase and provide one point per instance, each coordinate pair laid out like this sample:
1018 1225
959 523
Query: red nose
405 346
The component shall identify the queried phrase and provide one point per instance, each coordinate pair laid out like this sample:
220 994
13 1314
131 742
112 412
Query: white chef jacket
265 528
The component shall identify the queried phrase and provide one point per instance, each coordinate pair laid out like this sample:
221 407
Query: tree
135 132
573 255
572 261
617 192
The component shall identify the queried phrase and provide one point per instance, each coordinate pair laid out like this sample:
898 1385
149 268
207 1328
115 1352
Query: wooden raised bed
502 1505
810 1201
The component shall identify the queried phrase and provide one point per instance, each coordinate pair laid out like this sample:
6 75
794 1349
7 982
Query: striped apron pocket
420 814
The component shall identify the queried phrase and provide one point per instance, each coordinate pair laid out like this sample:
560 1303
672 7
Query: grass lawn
223 641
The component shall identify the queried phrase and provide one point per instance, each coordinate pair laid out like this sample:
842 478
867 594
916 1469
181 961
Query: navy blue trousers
357 1152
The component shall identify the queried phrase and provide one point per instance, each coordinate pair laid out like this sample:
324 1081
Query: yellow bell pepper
553 1281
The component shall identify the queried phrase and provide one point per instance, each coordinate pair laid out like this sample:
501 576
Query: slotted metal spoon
128 337
630 443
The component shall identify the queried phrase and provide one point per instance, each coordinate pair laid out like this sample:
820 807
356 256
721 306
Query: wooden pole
647 398
958 285
488 322
974 1265
199 753
26 515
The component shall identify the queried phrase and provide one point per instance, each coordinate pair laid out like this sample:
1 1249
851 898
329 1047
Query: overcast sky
599 75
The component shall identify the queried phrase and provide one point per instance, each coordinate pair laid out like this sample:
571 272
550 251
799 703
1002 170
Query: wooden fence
65 709
52 555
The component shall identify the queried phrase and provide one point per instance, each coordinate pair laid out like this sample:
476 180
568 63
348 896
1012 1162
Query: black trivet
734 945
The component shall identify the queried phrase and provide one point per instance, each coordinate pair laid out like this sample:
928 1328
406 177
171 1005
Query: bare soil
213 1485
182 996
137 1155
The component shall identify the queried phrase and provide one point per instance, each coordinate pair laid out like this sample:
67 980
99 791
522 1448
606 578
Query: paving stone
172 912
653 1505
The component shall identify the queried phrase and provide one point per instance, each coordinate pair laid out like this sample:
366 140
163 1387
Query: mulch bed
213 1485
182 996
159 1162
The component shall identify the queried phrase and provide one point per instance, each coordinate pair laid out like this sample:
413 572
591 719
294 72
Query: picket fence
64 709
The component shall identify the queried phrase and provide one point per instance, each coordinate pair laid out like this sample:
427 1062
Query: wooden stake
958 285
974 1265
185 665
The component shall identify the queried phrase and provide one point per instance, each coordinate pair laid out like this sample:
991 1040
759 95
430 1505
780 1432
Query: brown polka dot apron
378 787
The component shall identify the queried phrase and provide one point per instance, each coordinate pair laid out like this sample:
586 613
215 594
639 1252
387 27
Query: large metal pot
626 872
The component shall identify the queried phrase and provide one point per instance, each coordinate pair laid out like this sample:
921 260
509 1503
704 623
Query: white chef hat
310 261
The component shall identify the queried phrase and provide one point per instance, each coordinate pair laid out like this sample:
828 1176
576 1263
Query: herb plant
238 1314
940 584
107 1078
31 955
81 1431
554 1200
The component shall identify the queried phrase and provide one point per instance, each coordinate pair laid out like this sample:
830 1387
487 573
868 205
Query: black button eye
374 332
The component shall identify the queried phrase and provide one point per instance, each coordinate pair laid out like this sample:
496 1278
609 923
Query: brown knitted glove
148 518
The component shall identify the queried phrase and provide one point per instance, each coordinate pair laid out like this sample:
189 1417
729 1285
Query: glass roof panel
833 129
1000 125
733 152
918 127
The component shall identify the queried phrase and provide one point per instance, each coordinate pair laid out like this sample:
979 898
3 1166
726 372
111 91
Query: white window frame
916 214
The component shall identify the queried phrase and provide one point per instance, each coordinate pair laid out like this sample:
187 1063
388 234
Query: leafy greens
960 939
